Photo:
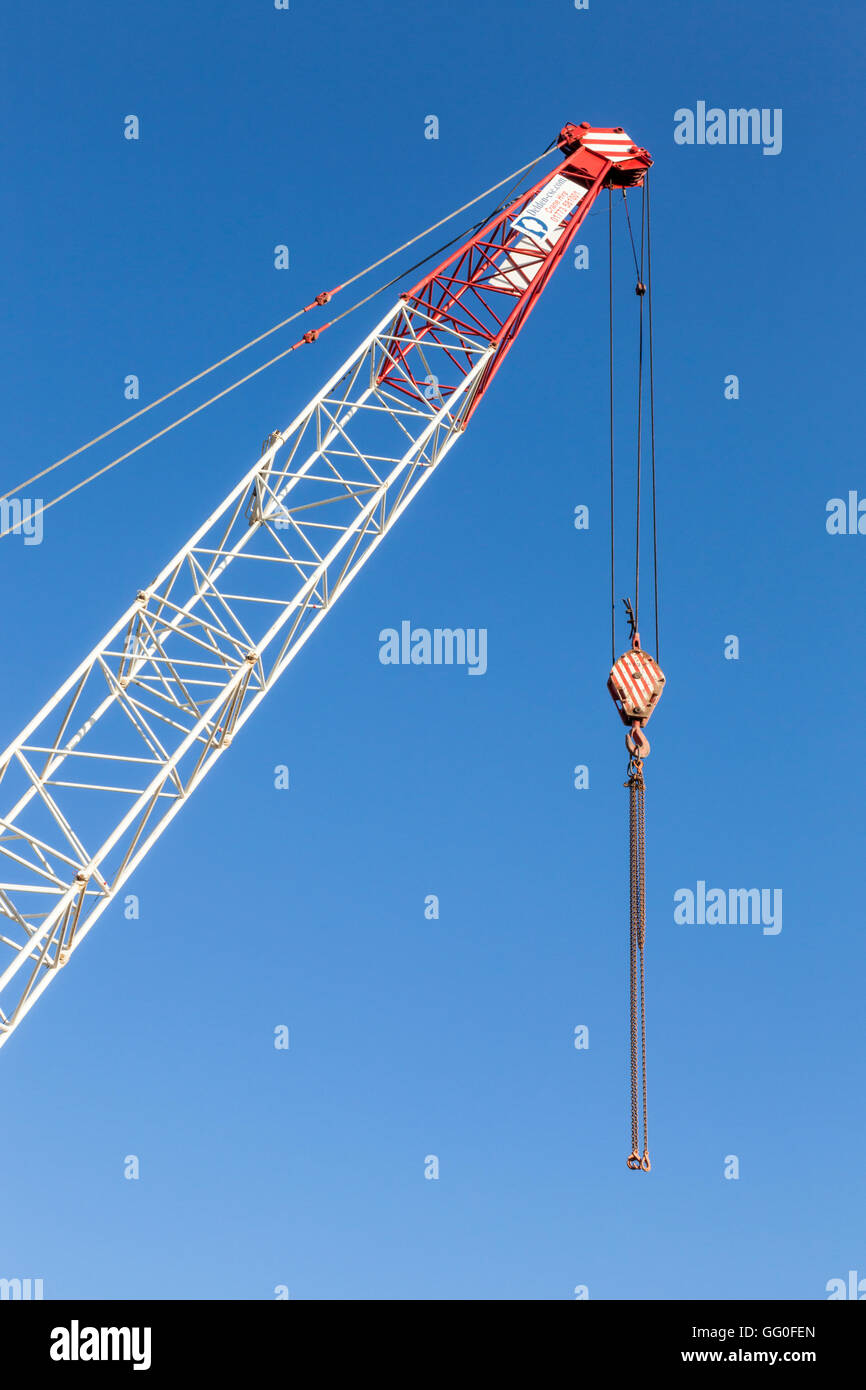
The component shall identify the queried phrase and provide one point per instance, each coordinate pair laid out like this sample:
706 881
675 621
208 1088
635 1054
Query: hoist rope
640 289
631 235
649 281
610 367
318 302
639 1156
638 258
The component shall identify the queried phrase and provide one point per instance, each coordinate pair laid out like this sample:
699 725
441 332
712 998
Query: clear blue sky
305 908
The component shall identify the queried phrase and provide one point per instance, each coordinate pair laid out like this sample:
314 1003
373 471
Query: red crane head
591 146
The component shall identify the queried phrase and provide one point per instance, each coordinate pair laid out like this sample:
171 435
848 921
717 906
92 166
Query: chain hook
637 742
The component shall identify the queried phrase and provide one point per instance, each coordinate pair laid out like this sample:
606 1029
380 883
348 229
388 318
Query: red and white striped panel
614 145
636 682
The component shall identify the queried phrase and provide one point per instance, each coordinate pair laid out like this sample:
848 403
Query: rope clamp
320 299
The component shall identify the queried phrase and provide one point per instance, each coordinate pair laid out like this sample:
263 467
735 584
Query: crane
104 767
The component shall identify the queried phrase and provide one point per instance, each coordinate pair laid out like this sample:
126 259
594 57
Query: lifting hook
636 741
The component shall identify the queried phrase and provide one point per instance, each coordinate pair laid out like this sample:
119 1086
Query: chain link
637 937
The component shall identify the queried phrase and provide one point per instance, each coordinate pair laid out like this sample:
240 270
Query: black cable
610 358
649 277
639 423
631 234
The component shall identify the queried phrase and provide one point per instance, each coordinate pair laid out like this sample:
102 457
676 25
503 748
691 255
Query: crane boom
103 768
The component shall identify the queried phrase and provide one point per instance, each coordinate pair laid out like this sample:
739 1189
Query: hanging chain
637 868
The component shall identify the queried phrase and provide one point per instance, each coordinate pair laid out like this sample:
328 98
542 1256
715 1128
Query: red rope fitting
319 300
311 336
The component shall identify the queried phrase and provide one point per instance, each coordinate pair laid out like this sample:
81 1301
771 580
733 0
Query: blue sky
306 908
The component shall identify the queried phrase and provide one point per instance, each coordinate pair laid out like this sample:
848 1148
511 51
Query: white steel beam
103 768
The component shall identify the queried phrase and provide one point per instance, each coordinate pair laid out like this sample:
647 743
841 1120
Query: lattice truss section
104 767
100 772
487 290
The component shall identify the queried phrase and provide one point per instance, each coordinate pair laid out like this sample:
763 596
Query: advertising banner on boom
549 209
540 225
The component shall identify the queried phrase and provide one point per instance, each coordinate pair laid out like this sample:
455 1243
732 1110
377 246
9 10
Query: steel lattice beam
108 762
